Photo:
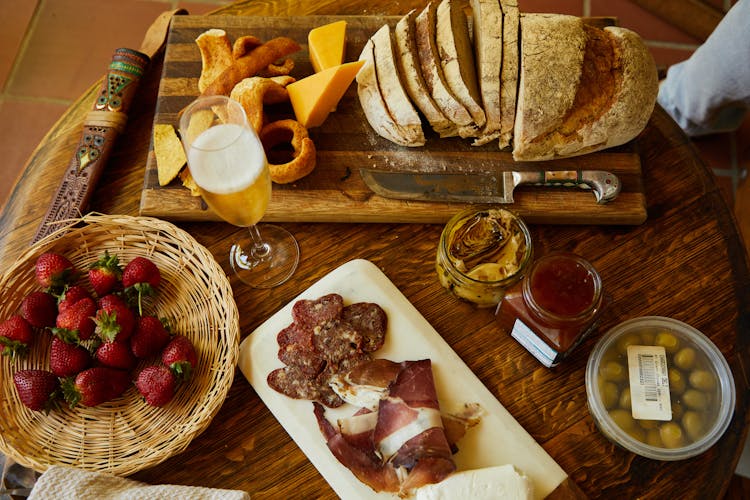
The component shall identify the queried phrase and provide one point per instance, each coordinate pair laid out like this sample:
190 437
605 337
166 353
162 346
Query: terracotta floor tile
634 17
571 7
73 43
23 124
16 16
667 56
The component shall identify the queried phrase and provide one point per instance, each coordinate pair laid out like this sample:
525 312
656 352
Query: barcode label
649 383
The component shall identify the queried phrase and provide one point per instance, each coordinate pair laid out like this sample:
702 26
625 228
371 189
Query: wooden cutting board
335 192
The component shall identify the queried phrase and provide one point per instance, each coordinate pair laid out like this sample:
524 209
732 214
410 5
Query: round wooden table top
686 262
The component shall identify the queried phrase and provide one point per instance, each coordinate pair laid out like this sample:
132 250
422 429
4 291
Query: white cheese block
498 482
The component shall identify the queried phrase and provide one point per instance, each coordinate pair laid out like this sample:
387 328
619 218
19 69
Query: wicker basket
126 435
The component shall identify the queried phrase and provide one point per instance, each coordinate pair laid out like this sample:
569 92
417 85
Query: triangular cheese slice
315 96
326 45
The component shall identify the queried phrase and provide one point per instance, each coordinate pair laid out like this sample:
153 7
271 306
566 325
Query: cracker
170 157
189 182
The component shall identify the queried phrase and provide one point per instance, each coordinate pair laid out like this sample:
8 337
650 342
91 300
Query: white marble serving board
499 439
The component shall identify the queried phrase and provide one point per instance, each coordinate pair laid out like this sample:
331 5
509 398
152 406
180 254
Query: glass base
268 265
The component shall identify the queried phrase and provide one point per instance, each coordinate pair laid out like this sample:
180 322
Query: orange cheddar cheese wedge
314 97
326 45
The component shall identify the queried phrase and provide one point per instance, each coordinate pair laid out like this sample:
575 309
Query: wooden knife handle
605 185
102 125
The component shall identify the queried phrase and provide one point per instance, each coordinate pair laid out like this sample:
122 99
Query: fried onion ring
304 156
252 93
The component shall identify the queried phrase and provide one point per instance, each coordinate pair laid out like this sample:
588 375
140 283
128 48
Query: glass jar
554 307
481 253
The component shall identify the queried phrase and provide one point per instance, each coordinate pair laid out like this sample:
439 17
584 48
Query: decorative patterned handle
605 185
101 127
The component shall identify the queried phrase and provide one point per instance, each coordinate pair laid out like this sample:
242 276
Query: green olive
653 437
671 435
637 433
625 399
677 382
648 337
623 419
627 340
610 393
703 380
695 400
693 422
668 341
684 359
677 411
614 371
649 424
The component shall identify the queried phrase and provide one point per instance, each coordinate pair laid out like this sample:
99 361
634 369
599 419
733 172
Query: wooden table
686 261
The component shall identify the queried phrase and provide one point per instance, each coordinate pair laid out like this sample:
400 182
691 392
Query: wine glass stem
260 248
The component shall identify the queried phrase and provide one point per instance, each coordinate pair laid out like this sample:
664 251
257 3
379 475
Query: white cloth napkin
70 483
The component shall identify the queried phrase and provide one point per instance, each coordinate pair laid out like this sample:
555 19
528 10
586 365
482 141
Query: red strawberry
114 319
66 359
39 309
15 336
116 354
180 357
95 386
37 389
54 271
75 322
140 278
105 274
150 337
156 384
70 296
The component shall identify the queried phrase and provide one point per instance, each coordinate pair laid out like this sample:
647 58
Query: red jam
554 307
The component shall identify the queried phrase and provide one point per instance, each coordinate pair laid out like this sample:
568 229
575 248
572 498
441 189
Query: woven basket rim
126 435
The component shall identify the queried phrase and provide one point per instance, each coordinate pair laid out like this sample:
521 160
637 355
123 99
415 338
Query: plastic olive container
671 373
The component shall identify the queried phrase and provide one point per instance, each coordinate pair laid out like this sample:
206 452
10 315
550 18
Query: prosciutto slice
400 446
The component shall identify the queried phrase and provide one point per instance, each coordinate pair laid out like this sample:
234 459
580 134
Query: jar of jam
554 307
481 253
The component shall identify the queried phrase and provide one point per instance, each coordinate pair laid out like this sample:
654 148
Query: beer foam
226 158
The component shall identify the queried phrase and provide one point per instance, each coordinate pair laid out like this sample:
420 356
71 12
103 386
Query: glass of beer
228 164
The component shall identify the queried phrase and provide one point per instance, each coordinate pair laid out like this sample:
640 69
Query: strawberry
95 386
15 336
114 319
156 384
75 322
150 337
105 274
180 357
39 309
53 271
70 296
116 354
37 389
66 359
140 278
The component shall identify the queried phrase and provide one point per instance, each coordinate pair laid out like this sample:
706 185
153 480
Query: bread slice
392 89
509 71
457 58
407 58
487 20
599 95
372 102
432 72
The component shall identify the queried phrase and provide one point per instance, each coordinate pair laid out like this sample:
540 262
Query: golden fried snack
216 55
244 45
304 156
251 64
252 93
170 157
278 69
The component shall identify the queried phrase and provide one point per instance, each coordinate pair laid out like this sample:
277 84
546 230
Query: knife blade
102 125
485 187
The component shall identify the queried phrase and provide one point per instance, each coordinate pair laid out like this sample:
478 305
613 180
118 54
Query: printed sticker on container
649 383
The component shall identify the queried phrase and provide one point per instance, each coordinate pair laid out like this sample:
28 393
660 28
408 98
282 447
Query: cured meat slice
370 321
310 313
296 348
336 340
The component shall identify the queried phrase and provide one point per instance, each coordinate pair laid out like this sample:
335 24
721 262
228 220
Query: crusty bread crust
509 71
392 89
488 46
408 66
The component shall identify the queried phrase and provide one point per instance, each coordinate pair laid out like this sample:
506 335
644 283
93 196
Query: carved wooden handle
101 127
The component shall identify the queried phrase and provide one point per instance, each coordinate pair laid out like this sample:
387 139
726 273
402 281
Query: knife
485 187
102 125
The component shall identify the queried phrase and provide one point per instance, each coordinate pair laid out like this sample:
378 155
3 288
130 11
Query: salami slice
310 313
304 358
336 340
292 382
370 321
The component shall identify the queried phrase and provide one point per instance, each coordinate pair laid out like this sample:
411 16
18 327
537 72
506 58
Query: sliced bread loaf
509 71
487 24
